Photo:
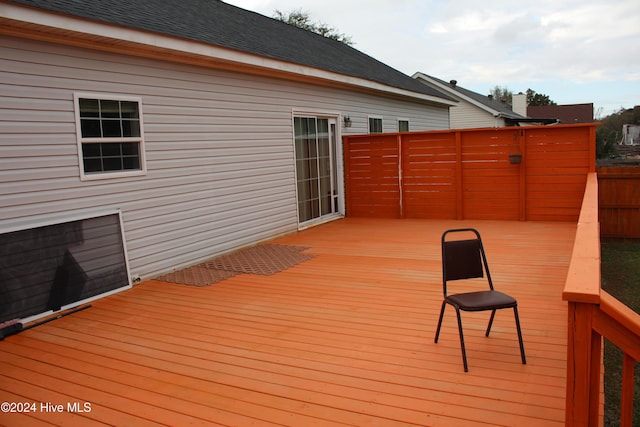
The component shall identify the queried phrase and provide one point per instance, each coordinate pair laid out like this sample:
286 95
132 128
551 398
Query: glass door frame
337 167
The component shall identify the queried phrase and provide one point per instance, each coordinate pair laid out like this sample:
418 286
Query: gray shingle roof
485 100
218 23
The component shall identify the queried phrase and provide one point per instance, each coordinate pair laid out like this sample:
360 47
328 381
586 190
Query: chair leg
515 312
493 314
444 304
464 352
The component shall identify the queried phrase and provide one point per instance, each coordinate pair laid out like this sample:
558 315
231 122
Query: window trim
401 119
80 140
375 118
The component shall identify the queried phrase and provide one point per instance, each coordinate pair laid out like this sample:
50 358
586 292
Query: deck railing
594 314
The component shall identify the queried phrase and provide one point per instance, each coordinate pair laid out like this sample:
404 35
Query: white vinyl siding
218 144
466 115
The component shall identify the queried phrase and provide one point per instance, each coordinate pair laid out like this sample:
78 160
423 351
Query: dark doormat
264 259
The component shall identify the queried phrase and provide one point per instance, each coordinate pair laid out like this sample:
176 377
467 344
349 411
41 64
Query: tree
538 99
502 94
301 19
609 133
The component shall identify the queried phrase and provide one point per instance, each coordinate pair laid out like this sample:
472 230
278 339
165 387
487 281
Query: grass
621 278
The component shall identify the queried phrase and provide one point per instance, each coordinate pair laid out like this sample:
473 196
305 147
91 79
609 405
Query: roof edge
444 87
72 26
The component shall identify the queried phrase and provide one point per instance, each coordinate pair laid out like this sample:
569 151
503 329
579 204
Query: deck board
345 338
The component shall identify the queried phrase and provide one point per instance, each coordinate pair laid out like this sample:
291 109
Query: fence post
522 207
459 186
592 148
400 169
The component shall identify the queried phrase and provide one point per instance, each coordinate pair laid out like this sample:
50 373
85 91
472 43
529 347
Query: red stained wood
345 338
619 194
436 174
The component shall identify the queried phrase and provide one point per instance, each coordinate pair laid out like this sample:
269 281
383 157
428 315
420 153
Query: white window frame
81 140
375 118
401 119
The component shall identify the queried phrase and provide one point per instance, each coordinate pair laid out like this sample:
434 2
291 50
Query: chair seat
482 300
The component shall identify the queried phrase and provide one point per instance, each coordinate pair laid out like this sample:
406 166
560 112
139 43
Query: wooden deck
345 338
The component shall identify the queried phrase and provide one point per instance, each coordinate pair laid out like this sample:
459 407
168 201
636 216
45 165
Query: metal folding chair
466 259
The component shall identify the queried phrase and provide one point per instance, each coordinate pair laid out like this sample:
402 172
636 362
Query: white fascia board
164 42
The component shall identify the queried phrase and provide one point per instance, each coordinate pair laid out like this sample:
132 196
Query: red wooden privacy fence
469 173
619 201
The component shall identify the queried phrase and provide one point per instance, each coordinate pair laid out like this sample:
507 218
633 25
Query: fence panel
490 183
373 176
429 179
557 162
470 174
619 201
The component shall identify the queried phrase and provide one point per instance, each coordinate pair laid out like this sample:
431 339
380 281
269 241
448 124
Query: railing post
595 371
626 410
583 367
582 293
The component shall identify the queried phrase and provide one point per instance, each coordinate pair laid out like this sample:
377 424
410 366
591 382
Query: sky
574 51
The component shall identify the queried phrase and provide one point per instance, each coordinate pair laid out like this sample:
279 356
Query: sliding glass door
316 169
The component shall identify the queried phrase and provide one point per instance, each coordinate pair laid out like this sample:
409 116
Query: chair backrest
463 259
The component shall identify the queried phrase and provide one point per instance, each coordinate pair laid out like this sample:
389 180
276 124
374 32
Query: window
375 124
403 125
110 137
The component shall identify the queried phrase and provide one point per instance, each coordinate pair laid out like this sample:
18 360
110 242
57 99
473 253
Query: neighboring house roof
484 102
568 113
214 22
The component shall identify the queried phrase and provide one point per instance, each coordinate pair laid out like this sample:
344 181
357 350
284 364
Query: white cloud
594 22
566 45
483 20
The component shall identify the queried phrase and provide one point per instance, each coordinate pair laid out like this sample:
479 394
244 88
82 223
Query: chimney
453 83
519 104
